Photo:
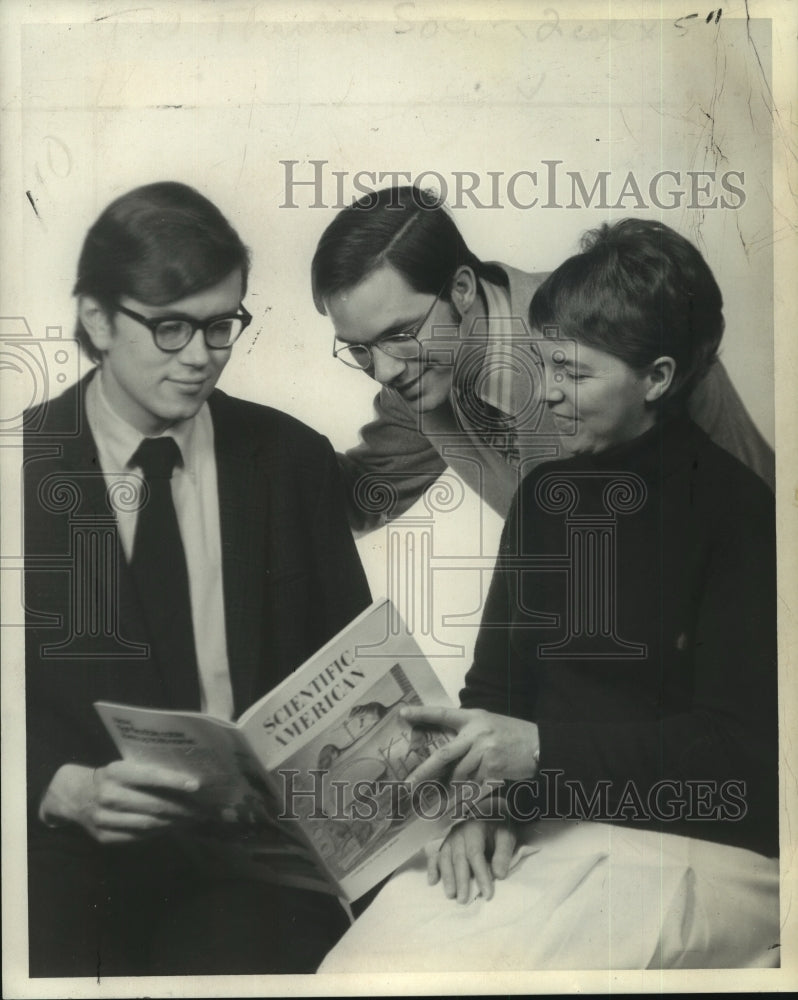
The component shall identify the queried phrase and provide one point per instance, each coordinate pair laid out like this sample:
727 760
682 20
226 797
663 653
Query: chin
174 414
183 410
570 445
426 403
434 393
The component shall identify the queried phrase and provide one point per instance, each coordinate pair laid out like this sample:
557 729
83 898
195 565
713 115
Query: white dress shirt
196 499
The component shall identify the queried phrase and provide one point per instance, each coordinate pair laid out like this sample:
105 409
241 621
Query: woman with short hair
624 677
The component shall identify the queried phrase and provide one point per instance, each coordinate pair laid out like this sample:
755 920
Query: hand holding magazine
307 788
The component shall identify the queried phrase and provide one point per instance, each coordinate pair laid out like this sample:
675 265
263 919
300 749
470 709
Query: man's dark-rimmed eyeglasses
172 333
406 346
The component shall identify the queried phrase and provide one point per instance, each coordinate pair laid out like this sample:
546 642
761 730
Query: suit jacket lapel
72 473
243 513
78 460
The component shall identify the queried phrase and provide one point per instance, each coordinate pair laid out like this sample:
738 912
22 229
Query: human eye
169 331
354 355
222 325
400 345
223 331
170 325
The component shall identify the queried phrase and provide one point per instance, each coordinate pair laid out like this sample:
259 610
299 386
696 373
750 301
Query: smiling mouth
565 425
404 386
412 383
188 385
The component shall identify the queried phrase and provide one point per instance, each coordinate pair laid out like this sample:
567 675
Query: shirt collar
655 454
496 382
118 440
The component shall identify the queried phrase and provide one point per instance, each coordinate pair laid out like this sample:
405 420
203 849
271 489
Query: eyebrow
196 319
580 365
400 326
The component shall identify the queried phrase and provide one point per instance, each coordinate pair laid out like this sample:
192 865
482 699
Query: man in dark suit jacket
272 574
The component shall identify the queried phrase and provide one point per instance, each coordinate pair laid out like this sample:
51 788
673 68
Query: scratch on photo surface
249 125
626 123
268 309
687 116
792 775
712 147
342 101
119 13
713 153
740 235
772 107
765 236
32 203
717 94
788 222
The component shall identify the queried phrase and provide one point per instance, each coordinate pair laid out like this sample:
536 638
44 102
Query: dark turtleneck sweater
663 703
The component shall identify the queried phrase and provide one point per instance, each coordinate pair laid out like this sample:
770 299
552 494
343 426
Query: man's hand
121 802
487 745
466 852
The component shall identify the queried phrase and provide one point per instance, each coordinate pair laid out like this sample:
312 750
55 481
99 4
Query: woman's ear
465 289
96 322
659 375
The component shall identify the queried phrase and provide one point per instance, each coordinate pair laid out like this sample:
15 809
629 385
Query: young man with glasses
446 336
207 555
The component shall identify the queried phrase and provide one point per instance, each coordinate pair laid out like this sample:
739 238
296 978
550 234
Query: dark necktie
161 575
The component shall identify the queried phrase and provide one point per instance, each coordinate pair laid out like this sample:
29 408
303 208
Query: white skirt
580 895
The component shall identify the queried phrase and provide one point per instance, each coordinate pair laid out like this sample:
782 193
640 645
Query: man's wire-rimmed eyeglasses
172 333
405 346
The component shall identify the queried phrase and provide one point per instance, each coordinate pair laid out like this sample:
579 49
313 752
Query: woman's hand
479 848
487 745
121 802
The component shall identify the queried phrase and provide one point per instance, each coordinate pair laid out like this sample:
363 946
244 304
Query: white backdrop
109 105
103 97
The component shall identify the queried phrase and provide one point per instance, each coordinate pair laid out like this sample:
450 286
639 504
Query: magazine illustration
308 787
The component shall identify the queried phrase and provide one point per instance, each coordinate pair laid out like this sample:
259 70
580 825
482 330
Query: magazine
307 787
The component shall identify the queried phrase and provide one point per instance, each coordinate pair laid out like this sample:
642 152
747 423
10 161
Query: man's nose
385 367
196 351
